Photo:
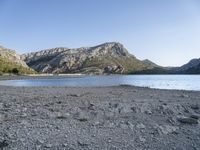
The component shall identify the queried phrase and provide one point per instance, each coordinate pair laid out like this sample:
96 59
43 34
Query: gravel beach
121 117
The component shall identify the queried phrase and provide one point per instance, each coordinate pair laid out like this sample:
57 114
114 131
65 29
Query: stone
82 144
82 119
142 139
184 96
195 116
48 145
166 129
3 144
195 106
188 120
140 126
62 115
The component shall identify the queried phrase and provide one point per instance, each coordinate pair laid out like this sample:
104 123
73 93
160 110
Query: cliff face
10 62
12 56
104 58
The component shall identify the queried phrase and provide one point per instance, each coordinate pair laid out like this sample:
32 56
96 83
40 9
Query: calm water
186 82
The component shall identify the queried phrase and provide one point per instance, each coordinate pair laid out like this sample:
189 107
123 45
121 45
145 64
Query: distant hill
192 67
104 58
10 62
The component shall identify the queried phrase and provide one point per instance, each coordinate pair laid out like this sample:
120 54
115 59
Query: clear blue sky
164 31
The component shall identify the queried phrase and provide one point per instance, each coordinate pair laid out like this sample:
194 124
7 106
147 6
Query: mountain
10 62
105 58
192 67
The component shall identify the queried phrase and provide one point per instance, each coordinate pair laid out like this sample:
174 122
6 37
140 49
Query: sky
164 31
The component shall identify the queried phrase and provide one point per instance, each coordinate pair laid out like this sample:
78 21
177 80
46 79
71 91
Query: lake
185 82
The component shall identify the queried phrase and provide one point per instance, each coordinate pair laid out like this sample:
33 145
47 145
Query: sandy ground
122 117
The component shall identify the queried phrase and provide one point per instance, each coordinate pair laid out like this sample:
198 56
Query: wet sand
121 117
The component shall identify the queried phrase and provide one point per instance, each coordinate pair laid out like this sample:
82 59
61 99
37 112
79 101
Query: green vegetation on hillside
130 64
14 68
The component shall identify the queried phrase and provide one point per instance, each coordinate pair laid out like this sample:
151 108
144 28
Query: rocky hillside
192 67
104 58
10 62
149 62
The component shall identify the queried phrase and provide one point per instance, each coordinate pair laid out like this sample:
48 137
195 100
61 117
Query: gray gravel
122 117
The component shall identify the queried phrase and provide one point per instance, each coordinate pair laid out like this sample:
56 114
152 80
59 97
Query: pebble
48 145
140 126
142 139
82 144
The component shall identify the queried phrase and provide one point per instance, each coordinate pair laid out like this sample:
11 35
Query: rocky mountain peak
111 48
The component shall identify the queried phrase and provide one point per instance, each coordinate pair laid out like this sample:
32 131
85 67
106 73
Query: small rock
24 115
82 144
166 129
140 126
184 95
188 120
109 140
148 112
165 104
38 147
134 109
40 141
82 119
59 102
195 107
142 139
62 115
3 144
74 95
91 106
195 116
48 145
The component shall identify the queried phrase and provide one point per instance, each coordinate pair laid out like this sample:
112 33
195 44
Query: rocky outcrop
10 62
104 58
12 56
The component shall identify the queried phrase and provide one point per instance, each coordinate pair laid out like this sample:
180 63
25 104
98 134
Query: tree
15 71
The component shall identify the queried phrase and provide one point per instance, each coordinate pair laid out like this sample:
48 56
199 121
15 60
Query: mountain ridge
106 58
110 57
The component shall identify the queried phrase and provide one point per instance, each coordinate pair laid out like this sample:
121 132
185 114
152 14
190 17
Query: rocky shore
122 117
